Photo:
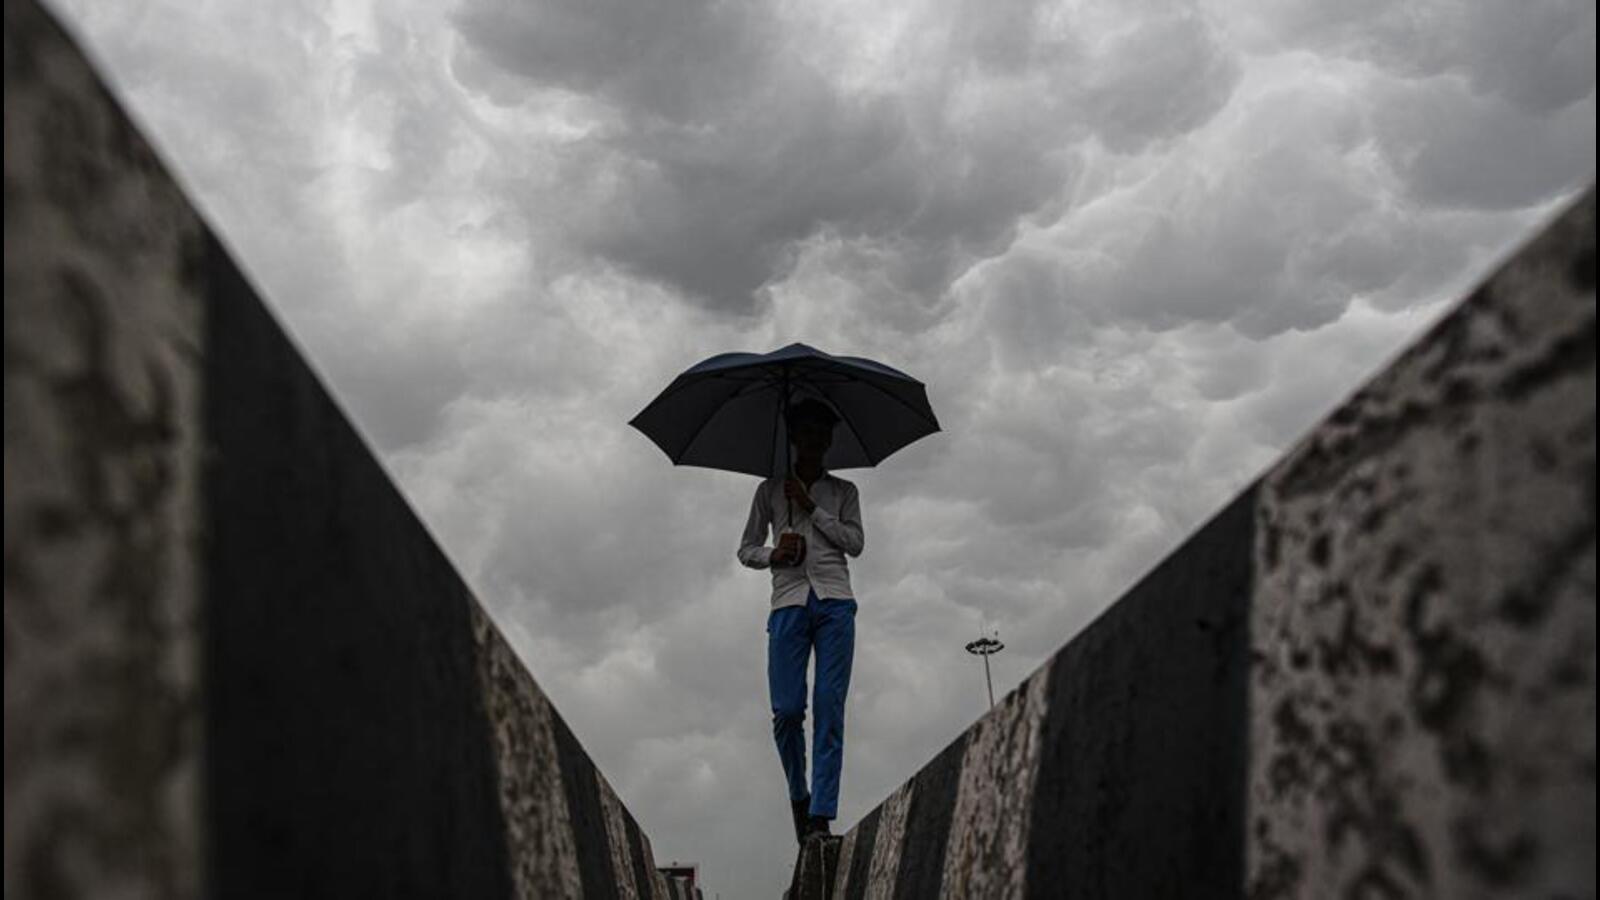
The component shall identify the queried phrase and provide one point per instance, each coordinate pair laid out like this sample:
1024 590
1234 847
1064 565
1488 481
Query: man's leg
836 647
788 652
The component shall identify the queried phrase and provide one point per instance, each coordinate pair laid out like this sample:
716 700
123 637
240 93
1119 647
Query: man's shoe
800 807
815 825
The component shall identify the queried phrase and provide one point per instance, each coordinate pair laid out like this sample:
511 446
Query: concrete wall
1370 675
1423 630
236 665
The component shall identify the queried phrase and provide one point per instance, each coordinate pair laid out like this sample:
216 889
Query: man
813 609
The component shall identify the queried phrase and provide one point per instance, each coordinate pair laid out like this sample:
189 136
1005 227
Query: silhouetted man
816 518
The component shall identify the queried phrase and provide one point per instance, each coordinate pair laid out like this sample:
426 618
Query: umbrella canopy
728 411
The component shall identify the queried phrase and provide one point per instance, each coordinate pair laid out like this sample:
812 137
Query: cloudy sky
1133 249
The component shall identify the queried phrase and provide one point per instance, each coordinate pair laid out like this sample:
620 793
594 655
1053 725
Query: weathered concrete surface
815 869
988 843
103 318
1371 675
236 663
881 856
1423 702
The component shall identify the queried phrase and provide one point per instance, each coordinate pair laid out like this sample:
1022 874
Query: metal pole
988 680
788 512
789 505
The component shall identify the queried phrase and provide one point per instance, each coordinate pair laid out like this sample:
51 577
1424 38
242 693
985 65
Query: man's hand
795 490
789 552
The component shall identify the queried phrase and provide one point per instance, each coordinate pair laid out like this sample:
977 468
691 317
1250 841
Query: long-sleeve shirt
832 531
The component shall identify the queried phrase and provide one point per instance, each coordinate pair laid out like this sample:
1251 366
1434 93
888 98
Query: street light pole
986 647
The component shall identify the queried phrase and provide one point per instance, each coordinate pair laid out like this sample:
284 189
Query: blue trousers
827 626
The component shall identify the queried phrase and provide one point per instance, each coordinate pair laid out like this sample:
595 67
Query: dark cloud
681 61
1160 79
733 149
1538 56
1455 148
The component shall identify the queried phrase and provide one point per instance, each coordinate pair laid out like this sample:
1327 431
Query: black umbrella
728 412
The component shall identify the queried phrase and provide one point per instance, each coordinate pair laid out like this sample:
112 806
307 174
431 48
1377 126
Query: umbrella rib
838 377
703 423
896 398
688 382
859 439
678 384
751 386
760 378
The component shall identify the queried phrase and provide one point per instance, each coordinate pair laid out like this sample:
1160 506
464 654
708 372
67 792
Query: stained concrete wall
102 495
1423 627
1370 675
236 665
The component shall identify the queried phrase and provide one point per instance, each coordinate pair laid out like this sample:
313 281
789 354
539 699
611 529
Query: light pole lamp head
984 646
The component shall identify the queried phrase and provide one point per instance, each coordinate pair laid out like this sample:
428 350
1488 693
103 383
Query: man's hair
812 411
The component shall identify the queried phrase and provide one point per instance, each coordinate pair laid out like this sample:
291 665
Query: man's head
811 427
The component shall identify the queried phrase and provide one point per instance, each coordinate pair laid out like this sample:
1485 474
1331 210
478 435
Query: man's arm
753 551
844 530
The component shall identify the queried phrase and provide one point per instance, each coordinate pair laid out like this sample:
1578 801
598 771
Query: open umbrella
728 412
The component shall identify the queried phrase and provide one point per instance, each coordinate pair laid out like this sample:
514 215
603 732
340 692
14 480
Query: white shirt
832 530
